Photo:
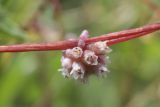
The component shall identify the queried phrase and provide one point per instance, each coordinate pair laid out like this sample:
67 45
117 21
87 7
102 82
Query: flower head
84 60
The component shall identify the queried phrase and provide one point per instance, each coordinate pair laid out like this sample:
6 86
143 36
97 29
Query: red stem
112 38
123 39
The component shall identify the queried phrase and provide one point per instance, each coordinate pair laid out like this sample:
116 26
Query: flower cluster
84 60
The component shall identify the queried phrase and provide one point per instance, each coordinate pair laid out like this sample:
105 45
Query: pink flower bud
68 53
66 62
83 37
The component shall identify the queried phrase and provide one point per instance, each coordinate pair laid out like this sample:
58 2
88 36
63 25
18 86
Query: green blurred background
32 80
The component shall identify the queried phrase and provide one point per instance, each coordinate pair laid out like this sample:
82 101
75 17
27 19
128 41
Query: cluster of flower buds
84 60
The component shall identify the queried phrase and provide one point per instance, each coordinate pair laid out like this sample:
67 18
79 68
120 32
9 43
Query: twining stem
123 39
112 38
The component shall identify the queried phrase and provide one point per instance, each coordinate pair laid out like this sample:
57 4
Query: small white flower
77 52
103 59
68 53
90 57
74 53
65 72
102 70
99 47
77 71
66 62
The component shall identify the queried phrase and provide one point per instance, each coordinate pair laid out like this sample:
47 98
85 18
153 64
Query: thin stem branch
112 38
123 39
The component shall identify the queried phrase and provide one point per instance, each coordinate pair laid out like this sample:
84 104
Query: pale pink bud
66 62
84 35
90 58
77 71
68 53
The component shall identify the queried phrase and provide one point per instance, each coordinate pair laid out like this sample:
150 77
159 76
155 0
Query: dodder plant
84 56
85 59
